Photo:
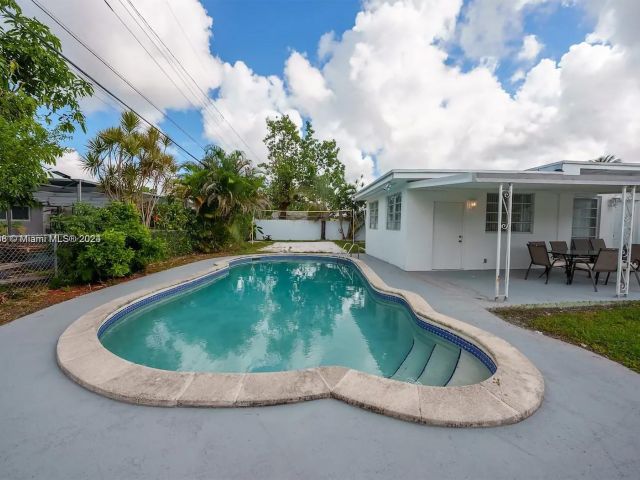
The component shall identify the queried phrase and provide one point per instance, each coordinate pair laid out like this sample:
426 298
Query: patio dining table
572 256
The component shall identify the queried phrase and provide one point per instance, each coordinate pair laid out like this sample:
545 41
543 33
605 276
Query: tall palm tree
132 164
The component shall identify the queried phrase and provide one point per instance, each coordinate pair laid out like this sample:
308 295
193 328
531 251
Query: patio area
52 428
480 285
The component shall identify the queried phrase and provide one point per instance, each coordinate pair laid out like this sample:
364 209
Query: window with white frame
585 218
394 211
521 213
373 215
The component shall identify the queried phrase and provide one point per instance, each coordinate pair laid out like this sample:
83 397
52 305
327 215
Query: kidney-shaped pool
278 314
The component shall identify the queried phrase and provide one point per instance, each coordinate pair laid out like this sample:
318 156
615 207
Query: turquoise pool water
272 316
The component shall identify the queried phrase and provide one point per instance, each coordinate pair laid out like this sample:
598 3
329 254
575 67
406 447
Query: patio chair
634 260
558 246
540 256
605 262
597 244
581 244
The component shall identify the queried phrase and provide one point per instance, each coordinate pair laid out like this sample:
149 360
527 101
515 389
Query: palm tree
224 188
607 159
132 164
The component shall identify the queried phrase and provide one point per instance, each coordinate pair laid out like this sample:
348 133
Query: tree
607 159
302 171
132 164
226 191
39 104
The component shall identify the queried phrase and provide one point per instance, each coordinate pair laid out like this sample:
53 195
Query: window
585 218
373 215
394 211
17 213
20 213
521 213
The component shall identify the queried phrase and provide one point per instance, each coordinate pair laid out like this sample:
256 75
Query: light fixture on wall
387 187
471 204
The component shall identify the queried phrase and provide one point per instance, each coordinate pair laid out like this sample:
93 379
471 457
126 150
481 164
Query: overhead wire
112 69
179 63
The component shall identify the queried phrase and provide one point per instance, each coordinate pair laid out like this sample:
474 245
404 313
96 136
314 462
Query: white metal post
499 238
507 266
626 241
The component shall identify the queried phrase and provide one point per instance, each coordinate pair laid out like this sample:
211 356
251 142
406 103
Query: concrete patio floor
480 285
52 428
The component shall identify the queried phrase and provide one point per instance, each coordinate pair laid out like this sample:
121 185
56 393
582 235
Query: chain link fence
26 262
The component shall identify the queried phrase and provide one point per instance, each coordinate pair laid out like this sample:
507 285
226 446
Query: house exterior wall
388 245
611 218
412 247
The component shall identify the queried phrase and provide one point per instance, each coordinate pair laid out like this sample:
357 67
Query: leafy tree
132 164
39 103
302 172
225 190
607 159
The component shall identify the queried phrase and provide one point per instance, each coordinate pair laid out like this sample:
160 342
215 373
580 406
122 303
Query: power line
162 69
122 102
205 96
104 62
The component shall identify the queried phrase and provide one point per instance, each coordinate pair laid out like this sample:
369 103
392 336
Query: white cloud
69 164
531 48
98 27
385 89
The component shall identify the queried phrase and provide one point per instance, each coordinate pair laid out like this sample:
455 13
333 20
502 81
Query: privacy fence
308 225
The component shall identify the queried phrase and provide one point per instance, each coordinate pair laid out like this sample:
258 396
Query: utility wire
205 96
164 71
122 102
104 62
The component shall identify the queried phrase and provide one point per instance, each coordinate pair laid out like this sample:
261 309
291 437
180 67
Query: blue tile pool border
189 284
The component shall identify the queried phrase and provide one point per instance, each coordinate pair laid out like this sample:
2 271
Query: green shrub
125 246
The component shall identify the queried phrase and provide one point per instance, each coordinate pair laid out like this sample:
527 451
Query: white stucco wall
303 229
411 247
610 220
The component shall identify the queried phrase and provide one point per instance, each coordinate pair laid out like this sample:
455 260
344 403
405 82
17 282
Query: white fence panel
283 229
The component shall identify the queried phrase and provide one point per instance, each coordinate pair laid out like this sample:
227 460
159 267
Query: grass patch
611 330
18 303
359 248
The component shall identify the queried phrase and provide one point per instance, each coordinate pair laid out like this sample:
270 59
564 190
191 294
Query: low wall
303 229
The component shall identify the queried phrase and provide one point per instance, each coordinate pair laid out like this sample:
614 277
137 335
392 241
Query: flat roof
596 178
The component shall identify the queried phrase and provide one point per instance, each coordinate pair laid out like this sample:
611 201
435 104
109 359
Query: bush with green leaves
125 245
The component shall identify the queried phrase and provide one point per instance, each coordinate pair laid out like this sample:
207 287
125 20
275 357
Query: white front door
447 235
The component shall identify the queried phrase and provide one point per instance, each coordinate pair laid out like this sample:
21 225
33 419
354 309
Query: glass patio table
571 256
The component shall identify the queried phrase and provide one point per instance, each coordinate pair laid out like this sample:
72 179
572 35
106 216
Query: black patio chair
582 244
558 246
605 262
540 257
597 244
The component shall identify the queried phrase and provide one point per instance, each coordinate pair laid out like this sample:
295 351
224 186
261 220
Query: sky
473 84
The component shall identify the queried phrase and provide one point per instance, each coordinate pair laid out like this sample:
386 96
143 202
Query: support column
499 239
507 266
626 240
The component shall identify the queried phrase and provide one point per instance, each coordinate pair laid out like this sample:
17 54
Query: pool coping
514 392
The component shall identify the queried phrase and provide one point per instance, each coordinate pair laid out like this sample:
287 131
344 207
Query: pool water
270 316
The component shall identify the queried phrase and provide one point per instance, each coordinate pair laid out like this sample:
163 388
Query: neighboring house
58 195
448 219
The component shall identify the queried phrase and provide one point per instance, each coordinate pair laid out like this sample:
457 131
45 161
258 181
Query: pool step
413 365
441 366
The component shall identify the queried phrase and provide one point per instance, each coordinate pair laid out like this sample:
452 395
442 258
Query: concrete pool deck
52 428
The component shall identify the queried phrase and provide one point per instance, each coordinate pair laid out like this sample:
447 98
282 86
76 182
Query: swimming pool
275 314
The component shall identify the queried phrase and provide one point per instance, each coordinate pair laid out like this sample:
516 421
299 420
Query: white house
448 219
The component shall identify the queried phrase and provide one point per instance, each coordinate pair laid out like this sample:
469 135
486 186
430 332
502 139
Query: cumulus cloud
531 48
69 164
388 92
186 33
